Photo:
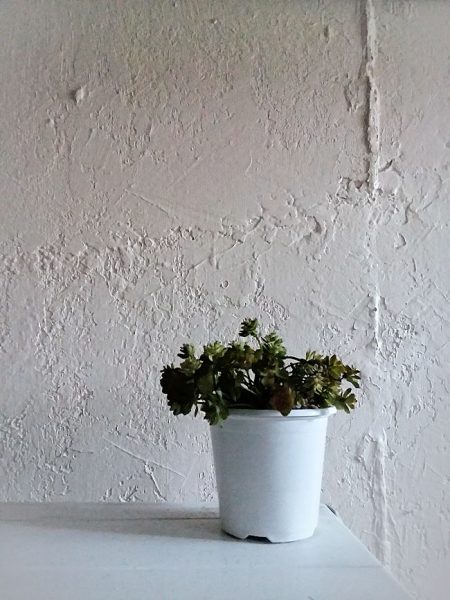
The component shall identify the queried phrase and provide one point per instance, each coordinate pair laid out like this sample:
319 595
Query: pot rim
296 413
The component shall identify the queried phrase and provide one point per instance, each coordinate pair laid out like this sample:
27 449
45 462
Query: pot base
273 538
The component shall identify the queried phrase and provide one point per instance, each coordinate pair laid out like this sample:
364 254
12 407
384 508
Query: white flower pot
269 472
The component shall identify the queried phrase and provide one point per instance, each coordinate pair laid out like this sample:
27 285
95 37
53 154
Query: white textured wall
170 167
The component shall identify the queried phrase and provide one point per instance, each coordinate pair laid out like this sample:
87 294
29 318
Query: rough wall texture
170 167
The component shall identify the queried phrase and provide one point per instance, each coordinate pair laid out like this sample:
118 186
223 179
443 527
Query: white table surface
144 552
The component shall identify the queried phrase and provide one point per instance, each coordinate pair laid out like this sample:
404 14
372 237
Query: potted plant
268 413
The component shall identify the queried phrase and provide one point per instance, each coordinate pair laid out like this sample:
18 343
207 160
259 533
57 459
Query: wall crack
372 96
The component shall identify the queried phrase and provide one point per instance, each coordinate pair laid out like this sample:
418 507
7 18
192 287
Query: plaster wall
170 167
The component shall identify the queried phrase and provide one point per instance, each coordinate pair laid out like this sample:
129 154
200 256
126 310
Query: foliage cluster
258 375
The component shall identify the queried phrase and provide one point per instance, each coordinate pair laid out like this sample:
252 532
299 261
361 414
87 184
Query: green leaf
190 365
187 351
214 350
205 383
249 327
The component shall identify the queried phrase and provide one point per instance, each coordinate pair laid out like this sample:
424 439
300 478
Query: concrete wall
170 167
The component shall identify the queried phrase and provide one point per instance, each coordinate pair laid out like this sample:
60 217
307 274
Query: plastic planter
269 472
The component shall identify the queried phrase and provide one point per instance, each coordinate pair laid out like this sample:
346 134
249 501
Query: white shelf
140 552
